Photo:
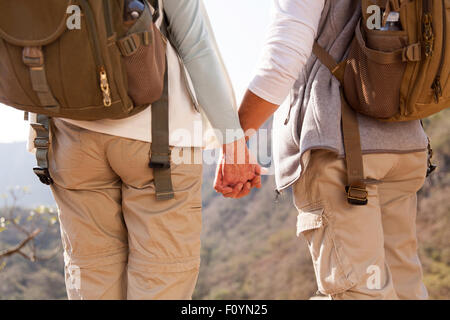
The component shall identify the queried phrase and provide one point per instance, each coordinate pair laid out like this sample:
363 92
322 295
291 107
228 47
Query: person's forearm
287 49
194 38
254 111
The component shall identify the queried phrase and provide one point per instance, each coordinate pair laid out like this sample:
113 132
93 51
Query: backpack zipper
437 86
103 77
108 18
428 34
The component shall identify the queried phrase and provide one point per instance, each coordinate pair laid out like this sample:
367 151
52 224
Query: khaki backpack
392 75
102 68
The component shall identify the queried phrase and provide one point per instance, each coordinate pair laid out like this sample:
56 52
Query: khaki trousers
119 242
363 252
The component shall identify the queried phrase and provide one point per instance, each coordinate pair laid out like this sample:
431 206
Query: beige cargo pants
119 242
363 252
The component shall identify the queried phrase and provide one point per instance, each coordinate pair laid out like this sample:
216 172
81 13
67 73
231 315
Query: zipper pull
277 196
104 86
286 121
428 34
437 87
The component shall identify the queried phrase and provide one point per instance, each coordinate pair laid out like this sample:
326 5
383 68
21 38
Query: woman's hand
238 171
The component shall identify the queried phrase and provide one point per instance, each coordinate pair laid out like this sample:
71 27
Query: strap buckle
412 53
356 195
160 160
41 143
33 57
128 46
43 175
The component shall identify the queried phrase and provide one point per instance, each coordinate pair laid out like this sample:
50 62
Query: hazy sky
240 27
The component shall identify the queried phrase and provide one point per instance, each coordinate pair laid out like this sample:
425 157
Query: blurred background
250 250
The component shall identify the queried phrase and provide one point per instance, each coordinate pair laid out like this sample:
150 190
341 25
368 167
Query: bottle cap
393 16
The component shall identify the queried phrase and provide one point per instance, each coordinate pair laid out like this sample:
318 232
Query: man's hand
237 172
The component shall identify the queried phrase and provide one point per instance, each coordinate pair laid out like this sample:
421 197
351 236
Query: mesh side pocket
374 73
145 70
146 64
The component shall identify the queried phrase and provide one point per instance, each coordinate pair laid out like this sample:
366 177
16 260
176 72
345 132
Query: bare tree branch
50 256
20 246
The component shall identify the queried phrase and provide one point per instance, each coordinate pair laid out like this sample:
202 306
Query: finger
265 171
245 190
258 170
223 190
256 182
218 181
227 190
236 190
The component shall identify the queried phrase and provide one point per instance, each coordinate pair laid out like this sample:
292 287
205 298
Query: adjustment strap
33 58
337 69
356 187
131 43
160 153
42 144
408 53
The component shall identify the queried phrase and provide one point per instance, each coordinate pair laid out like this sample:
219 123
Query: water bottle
133 9
393 22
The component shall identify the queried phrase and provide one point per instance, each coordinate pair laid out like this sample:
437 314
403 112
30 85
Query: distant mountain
16 170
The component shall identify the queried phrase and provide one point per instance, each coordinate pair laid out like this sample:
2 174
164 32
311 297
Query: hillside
250 250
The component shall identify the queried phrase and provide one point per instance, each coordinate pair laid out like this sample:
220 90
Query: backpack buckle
129 45
412 53
33 57
160 160
357 195
43 175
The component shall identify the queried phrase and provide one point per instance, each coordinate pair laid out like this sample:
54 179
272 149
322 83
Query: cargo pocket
334 273
374 72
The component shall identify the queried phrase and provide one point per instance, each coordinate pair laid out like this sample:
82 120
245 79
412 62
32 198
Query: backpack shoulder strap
356 187
160 152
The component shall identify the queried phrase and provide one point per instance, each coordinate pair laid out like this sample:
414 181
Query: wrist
236 151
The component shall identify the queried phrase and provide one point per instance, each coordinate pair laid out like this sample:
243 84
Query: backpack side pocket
375 71
144 56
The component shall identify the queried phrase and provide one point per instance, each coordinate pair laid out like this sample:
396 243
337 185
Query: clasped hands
237 172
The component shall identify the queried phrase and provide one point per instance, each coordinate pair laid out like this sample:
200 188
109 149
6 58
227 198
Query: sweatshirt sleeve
288 47
193 36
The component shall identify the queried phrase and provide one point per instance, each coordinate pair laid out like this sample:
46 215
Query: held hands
238 171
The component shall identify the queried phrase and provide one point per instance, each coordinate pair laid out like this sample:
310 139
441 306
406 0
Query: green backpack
80 59
394 75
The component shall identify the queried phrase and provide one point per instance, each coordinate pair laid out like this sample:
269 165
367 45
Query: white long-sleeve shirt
194 40
287 49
